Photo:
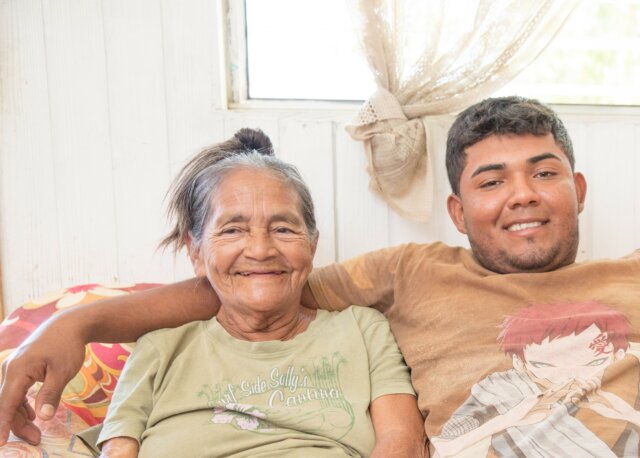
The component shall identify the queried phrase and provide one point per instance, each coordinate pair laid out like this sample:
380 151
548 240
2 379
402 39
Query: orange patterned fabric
90 391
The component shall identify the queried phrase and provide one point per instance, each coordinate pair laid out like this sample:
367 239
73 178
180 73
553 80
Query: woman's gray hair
190 193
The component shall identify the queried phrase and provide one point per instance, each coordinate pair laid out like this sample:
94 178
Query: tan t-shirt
508 364
195 391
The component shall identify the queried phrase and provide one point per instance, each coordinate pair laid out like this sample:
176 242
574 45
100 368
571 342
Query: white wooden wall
101 101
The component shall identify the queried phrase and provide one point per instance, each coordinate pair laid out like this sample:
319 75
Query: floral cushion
90 391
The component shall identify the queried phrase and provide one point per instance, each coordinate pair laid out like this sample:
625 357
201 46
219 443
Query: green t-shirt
197 391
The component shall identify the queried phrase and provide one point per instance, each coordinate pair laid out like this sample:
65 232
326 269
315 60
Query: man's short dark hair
501 116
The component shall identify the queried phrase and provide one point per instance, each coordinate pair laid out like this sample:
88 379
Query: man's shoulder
632 259
435 250
633 255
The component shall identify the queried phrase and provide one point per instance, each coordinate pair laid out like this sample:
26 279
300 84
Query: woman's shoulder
363 316
168 337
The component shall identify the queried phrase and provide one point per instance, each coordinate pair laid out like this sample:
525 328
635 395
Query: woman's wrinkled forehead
246 192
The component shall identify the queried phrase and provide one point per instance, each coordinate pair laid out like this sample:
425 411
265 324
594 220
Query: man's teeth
521 226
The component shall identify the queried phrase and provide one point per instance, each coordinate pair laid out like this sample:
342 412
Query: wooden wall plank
578 133
611 157
362 218
29 225
80 140
189 35
193 87
309 146
440 227
138 118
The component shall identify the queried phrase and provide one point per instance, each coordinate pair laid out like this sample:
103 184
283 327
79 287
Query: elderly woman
267 376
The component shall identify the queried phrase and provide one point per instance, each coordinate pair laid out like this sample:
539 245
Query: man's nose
523 193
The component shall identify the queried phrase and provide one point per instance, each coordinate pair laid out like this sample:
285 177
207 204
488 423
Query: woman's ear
197 261
314 244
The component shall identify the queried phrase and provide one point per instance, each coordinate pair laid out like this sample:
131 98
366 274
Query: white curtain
432 57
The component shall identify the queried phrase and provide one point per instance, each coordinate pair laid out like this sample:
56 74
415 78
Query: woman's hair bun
254 139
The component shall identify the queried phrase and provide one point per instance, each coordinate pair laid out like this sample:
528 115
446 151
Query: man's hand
52 355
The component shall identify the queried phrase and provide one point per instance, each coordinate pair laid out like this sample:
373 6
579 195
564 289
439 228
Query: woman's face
255 249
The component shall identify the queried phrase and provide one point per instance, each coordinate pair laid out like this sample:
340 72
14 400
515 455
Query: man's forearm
307 298
126 318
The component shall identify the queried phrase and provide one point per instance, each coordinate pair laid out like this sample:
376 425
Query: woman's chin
266 302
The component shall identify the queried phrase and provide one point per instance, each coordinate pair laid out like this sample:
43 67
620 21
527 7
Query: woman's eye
230 231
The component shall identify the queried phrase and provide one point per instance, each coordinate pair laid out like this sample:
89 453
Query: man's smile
524 225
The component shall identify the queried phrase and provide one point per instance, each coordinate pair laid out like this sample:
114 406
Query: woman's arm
398 426
54 353
120 447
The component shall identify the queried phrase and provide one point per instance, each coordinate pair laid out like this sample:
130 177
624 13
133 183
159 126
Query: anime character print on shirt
301 396
572 390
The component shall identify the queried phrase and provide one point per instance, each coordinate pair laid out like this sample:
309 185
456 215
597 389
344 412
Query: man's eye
545 174
490 184
540 365
283 230
230 231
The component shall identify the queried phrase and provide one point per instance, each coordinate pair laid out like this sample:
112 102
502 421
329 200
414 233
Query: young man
515 195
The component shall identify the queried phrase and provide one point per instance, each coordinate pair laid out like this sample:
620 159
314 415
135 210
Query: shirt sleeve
132 400
388 372
364 280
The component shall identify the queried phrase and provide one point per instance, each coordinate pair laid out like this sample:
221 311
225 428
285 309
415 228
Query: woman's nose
259 246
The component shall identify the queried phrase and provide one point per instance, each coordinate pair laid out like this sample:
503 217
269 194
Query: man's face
519 203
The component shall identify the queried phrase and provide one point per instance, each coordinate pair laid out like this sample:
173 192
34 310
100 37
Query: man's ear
454 205
581 189
194 254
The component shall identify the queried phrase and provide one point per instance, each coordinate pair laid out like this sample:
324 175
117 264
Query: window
595 59
305 50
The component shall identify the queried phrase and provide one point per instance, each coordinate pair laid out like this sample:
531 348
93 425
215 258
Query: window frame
234 74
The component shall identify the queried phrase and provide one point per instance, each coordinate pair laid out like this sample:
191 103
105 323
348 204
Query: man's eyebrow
542 157
502 165
488 168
